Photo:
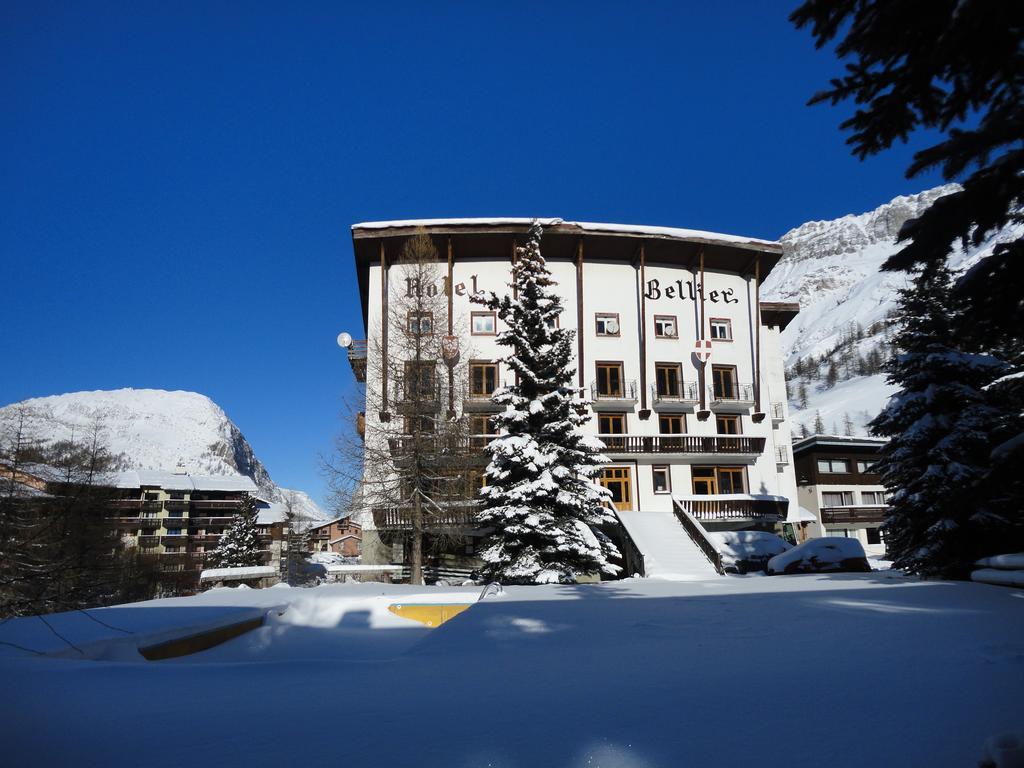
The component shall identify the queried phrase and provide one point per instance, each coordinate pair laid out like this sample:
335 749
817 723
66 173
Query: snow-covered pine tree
938 428
819 424
239 545
541 498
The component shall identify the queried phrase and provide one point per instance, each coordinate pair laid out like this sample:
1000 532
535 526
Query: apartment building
677 355
836 481
177 518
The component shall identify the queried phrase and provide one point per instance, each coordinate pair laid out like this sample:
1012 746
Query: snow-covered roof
634 230
175 481
800 515
271 513
838 440
232 574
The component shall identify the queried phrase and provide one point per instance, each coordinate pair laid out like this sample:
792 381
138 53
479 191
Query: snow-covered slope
156 429
832 268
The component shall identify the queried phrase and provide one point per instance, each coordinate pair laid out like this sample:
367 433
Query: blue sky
177 180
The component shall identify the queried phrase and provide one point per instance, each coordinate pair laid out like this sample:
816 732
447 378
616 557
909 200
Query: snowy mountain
832 268
156 429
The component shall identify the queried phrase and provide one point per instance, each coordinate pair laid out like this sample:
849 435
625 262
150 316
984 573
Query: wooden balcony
737 397
448 448
204 540
738 445
176 505
125 504
152 506
229 505
204 522
148 541
400 518
174 541
859 514
684 397
357 358
125 522
623 397
726 509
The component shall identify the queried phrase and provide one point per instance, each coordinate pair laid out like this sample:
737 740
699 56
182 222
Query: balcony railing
174 540
148 541
778 412
626 391
176 505
204 522
226 504
424 394
357 358
733 393
125 503
152 506
204 540
443 518
858 514
682 444
683 393
734 509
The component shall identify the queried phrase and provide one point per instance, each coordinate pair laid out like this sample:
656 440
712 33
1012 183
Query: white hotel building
694 446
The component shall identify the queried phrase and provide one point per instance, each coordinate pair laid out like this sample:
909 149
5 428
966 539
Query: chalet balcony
205 541
446 518
125 504
206 522
174 541
480 403
735 397
613 399
778 413
686 445
176 505
228 505
731 507
675 399
444 449
853 514
421 397
357 359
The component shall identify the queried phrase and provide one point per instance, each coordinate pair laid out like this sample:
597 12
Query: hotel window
872 497
833 466
669 378
609 379
483 323
721 330
421 323
662 480
419 379
481 429
712 480
611 424
837 498
865 466
483 379
672 424
419 425
728 425
723 378
730 480
666 327
607 324
174 531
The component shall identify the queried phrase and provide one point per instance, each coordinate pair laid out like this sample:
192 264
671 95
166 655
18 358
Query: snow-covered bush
747 551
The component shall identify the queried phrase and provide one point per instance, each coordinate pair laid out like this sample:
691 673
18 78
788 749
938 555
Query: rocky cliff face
156 429
832 268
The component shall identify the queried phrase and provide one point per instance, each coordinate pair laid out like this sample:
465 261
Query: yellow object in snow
431 614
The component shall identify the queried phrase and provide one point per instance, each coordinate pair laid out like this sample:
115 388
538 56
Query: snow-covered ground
836 670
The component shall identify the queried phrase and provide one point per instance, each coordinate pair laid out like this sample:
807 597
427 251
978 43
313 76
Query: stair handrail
636 554
699 536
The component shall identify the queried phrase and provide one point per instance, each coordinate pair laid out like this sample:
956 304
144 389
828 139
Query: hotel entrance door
617 480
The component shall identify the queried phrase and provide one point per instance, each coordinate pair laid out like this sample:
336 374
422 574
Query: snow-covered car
748 551
827 555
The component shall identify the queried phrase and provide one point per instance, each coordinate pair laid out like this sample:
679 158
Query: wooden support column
385 323
758 415
645 412
703 412
579 313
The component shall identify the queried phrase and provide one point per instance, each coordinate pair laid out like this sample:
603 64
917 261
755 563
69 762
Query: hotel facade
677 356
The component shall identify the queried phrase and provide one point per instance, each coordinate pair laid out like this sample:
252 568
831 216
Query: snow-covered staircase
667 549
